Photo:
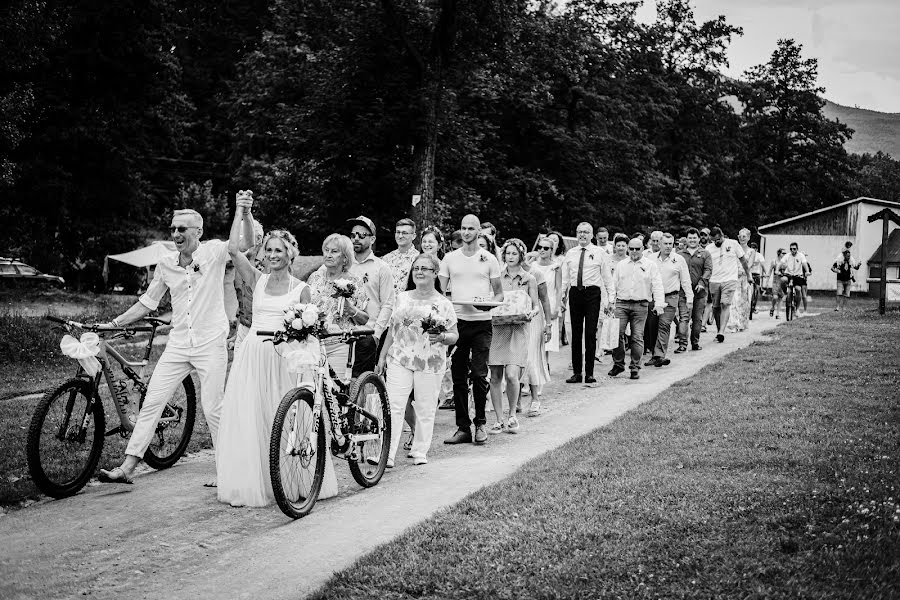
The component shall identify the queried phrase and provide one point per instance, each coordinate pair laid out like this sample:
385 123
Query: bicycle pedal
114 431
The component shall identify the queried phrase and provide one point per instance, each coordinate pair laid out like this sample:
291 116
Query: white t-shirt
726 261
470 278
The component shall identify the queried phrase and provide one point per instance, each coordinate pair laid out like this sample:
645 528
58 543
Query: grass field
771 474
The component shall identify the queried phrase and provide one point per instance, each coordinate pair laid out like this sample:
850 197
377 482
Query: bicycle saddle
156 321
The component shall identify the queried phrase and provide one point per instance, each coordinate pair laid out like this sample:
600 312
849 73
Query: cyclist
794 266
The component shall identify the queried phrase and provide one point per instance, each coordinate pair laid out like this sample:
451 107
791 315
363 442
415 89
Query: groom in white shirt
193 276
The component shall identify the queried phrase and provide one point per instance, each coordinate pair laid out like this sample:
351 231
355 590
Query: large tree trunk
424 155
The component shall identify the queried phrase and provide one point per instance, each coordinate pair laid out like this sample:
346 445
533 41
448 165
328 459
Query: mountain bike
359 424
791 299
67 431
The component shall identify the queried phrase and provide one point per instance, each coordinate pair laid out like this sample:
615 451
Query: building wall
820 250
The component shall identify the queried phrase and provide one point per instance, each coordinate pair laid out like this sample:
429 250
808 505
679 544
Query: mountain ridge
874 131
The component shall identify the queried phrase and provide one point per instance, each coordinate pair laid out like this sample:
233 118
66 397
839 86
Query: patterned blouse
410 347
400 264
322 292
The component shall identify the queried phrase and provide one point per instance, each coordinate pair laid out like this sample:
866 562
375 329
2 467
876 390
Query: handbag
609 334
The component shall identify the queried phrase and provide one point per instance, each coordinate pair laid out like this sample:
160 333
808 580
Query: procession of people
503 309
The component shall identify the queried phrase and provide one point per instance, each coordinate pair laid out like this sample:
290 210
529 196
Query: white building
821 235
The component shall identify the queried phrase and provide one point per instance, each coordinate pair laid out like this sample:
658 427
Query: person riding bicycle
793 266
193 276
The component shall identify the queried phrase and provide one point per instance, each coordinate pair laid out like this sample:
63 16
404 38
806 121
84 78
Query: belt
638 301
670 293
585 287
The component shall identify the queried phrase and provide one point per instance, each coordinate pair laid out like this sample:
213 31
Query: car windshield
7 270
26 270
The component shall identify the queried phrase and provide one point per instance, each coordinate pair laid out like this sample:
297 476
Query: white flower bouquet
301 321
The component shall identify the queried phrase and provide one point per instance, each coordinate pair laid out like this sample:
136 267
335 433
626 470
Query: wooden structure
886 216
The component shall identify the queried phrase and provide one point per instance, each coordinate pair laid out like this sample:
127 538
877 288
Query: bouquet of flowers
343 289
434 323
300 322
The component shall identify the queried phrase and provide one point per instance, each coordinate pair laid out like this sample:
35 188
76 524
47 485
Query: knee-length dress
509 343
259 379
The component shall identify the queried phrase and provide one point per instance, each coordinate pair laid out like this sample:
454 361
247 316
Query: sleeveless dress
549 272
258 381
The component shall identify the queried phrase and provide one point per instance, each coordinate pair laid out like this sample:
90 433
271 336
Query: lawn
772 474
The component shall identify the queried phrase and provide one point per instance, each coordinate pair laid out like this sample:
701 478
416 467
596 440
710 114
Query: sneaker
535 409
663 362
696 347
720 338
389 465
635 375
615 371
574 378
420 460
462 436
681 348
512 426
653 362
496 428
480 435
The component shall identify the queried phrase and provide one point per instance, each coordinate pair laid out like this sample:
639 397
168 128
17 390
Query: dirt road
167 536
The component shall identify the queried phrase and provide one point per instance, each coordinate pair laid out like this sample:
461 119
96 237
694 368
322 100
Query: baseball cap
363 222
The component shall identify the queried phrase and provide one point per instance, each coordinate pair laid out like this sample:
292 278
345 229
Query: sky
855 41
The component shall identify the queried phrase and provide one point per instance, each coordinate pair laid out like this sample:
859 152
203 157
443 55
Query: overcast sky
857 42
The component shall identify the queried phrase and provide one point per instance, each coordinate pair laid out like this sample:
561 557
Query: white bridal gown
258 381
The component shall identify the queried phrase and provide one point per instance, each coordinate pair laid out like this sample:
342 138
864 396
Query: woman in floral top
337 250
415 358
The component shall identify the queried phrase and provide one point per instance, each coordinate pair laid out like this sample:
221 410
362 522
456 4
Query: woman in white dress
543 337
259 376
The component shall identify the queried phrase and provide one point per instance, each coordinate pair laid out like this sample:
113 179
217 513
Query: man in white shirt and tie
675 279
588 286
193 276
637 283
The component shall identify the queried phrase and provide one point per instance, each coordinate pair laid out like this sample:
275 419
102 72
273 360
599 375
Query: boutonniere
196 268
728 248
365 278
642 268
591 256
482 258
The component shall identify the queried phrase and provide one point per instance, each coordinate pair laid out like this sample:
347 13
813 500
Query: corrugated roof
877 201
893 244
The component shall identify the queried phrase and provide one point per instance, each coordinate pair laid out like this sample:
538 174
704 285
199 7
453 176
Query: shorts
722 293
843 288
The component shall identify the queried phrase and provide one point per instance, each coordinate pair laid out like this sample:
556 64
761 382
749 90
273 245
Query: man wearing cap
378 283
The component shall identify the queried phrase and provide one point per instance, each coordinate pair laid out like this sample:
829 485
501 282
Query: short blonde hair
190 212
343 244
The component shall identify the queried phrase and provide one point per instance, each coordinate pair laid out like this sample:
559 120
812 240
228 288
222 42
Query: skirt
509 345
537 371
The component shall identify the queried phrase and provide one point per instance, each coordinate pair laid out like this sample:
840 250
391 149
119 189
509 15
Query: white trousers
210 360
426 388
240 336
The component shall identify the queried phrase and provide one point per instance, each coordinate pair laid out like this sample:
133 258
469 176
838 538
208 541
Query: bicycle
791 300
359 418
67 431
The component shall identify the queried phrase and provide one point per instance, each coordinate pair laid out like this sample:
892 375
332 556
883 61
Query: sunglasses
181 228
635 249
545 247
358 236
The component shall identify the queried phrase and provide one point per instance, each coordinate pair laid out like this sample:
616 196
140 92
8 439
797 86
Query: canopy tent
147 256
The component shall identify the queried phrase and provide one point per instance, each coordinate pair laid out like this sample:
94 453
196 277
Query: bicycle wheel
369 393
65 439
789 306
175 426
296 460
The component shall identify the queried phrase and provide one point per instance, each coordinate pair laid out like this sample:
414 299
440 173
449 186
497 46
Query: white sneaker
512 426
497 427
420 460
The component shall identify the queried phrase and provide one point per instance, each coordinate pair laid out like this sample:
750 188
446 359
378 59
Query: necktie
580 282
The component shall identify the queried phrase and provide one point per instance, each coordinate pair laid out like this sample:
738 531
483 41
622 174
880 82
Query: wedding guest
757 267
509 342
259 376
653 243
401 259
551 271
794 264
471 272
193 276
740 307
559 255
456 240
432 242
637 284
844 271
559 252
620 251
486 242
378 283
603 240
536 373
337 252
681 245
416 359
699 263
728 258
774 278
588 286
676 280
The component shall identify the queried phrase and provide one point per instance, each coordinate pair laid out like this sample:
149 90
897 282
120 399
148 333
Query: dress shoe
696 347
653 362
615 371
635 375
480 435
720 338
462 436
681 348
589 379
662 362
574 378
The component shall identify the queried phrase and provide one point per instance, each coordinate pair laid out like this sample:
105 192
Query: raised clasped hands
244 200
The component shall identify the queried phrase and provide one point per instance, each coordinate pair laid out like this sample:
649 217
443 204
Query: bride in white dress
259 376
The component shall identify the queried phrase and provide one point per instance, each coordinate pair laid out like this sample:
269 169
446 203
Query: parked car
12 269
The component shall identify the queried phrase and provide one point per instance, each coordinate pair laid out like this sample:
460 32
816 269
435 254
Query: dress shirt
699 263
378 282
198 299
675 275
793 265
594 272
639 280
400 264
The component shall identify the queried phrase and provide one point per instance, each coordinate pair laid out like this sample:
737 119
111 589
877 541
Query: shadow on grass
772 475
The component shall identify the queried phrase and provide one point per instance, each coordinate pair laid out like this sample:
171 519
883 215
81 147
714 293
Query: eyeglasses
422 269
583 232
358 236
398 232
181 228
545 247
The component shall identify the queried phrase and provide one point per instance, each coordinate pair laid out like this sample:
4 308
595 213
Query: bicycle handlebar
95 326
356 332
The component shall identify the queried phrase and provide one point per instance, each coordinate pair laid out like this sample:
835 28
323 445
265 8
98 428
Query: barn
821 235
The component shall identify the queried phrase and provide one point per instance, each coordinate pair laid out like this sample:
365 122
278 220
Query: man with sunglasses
637 284
588 286
378 283
193 276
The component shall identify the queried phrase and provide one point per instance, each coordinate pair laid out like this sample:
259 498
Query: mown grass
772 474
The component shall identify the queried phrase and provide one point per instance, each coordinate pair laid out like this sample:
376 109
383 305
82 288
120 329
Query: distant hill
873 131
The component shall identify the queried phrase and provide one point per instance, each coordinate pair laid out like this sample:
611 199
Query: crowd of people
502 306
